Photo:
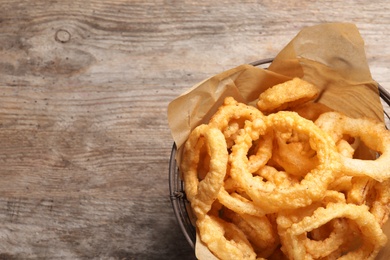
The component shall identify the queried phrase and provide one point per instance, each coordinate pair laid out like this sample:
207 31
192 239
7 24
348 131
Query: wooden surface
84 140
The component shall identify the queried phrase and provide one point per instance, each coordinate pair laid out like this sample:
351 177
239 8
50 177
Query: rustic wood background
84 89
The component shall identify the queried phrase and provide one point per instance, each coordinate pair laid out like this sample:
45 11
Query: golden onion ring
373 134
203 193
313 185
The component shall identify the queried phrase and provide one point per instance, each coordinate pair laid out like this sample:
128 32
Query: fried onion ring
313 185
231 117
287 95
225 239
203 193
373 134
368 227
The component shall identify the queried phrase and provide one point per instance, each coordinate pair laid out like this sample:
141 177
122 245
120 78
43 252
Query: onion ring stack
285 180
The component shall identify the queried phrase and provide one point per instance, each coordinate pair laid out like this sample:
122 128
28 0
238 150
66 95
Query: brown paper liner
330 56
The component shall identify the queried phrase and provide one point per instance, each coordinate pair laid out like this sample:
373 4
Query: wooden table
84 139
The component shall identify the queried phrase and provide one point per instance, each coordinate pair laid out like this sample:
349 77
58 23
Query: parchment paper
330 56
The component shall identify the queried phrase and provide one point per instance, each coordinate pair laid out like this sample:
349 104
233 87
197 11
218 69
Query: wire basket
181 205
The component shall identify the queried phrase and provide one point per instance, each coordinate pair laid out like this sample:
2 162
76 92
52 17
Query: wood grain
85 85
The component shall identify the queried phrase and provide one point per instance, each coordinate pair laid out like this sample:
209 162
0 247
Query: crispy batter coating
287 95
271 184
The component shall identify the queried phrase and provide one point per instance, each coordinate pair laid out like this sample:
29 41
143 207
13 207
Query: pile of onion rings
285 180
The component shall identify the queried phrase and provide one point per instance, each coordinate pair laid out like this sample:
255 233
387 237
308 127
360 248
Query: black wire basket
180 204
